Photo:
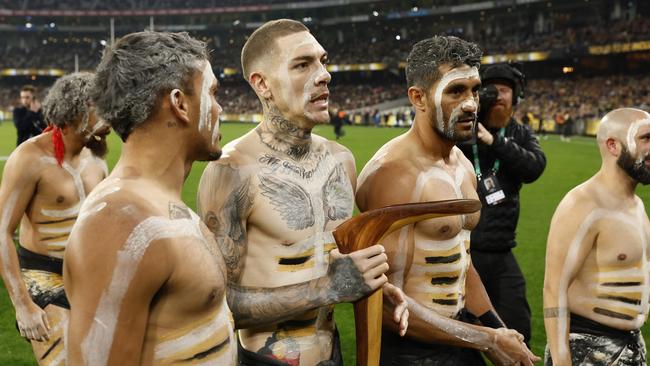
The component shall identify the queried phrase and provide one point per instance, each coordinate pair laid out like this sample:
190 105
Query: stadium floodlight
397 37
375 13
103 42
52 25
28 25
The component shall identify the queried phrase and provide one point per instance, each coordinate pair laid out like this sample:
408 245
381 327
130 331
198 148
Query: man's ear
613 147
260 85
178 104
418 98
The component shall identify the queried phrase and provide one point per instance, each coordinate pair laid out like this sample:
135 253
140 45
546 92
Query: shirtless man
44 183
273 200
430 260
597 280
145 279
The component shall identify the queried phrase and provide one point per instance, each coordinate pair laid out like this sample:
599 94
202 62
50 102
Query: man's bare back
145 278
159 250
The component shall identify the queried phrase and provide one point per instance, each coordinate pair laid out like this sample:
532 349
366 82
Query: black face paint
637 170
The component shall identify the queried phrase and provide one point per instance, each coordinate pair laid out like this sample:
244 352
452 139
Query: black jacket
521 161
27 121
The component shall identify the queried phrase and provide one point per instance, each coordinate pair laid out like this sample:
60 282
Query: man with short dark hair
273 201
44 183
28 117
430 260
505 156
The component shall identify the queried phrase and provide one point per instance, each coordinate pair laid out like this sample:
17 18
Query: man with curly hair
430 260
44 183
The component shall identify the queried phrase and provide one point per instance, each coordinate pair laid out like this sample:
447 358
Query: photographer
505 154
28 117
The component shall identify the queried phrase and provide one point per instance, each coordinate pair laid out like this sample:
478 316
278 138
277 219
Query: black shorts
43 277
592 343
401 351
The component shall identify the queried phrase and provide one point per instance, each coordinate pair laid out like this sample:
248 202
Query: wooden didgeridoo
368 229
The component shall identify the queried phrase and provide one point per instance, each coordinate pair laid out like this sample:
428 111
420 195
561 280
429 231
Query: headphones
511 72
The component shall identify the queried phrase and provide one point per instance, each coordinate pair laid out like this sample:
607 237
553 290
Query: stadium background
582 58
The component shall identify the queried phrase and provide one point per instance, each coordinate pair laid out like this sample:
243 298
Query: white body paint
421 269
631 134
96 346
572 254
205 114
447 78
199 335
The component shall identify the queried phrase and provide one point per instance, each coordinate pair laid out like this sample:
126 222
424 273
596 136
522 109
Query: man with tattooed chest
430 260
597 278
44 182
273 200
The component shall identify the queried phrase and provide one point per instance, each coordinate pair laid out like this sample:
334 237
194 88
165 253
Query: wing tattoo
290 200
337 195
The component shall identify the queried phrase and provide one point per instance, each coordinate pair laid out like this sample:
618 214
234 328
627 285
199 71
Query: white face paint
449 77
206 126
631 134
97 344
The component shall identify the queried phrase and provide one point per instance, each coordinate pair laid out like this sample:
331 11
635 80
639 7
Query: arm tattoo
258 306
290 200
228 223
555 312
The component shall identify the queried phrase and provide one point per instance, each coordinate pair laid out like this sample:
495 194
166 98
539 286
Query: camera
488 95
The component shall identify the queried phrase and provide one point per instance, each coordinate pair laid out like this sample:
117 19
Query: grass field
568 165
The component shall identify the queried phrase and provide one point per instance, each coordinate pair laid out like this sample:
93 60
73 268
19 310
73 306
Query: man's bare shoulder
29 159
386 178
578 203
109 215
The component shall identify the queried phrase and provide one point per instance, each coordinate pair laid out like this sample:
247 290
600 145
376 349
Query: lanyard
477 163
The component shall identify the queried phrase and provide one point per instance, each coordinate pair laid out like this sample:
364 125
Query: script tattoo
303 171
290 200
337 195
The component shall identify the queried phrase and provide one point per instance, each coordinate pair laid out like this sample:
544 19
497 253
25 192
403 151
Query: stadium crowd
350 43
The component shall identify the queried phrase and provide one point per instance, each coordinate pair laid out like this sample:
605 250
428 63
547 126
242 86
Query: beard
498 117
448 130
98 148
636 169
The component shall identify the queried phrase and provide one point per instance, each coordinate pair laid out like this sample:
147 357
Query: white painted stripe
201 334
55 230
420 269
68 212
97 344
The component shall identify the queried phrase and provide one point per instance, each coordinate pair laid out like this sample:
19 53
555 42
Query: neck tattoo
281 135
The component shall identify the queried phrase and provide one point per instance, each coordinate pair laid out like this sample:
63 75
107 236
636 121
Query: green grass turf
568 165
